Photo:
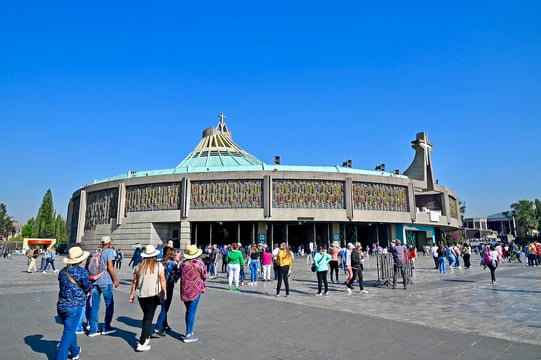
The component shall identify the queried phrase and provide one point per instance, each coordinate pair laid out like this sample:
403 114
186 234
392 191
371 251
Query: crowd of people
156 270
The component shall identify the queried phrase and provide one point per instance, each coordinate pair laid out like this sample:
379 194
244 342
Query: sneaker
327 293
251 283
76 357
190 338
230 288
348 290
255 284
277 295
364 291
143 347
109 331
87 328
80 332
45 272
55 271
97 333
287 295
319 294
237 288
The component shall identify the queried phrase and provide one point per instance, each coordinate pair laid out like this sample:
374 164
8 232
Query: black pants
333 265
493 271
148 305
283 276
399 266
436 262
356 272
467 263
322 281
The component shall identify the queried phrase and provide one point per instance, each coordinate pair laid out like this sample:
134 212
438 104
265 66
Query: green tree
61 231
45 221
525 217
6 225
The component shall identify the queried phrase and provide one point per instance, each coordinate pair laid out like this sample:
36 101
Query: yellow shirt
284 259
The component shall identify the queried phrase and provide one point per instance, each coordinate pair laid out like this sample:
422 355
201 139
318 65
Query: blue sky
90 90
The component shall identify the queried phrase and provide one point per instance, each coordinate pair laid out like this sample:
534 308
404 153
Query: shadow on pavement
38 345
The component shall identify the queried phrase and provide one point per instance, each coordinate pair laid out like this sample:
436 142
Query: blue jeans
85 312
47 262
441 262
212 268
162 318
191 309
107 291
68 343
254 264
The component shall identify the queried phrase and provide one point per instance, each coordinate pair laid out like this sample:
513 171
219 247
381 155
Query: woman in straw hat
193 274
74 287
149 281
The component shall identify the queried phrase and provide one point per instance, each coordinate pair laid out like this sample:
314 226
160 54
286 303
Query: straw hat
192 252
76 255
150 251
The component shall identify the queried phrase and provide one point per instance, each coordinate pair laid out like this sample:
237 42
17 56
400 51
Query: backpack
94 265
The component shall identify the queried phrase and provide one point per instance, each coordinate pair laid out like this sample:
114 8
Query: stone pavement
457 316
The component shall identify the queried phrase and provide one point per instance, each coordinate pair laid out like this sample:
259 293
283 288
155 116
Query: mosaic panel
226 194
308 194
453 208
153 197
382 197
101 206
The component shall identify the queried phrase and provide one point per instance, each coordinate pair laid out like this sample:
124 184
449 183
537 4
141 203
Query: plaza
456 316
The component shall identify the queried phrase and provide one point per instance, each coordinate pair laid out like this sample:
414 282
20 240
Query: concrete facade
213 196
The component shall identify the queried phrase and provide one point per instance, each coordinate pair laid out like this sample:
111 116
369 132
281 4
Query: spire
421 166
217 148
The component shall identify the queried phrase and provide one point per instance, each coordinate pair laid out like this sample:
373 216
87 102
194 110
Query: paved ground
459 316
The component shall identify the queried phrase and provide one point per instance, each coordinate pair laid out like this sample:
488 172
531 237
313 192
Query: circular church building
222 194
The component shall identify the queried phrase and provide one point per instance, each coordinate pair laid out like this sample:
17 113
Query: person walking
104 286
321 261
74 285
235 261
193 274
119 258
466 255
32 255
442 259
149 282
491 261
50 253
356 258
172 274
285 265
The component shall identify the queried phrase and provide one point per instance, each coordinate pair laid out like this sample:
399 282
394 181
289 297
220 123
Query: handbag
313 268
161 292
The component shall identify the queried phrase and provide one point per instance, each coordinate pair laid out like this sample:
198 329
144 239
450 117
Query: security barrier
385 266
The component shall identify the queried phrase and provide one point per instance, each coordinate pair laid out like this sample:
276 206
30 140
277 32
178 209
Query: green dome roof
217 149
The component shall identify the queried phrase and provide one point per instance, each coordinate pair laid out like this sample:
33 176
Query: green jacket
235 257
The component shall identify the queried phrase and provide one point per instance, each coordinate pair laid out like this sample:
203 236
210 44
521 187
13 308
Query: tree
525 217
45 222
5 221
61 231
